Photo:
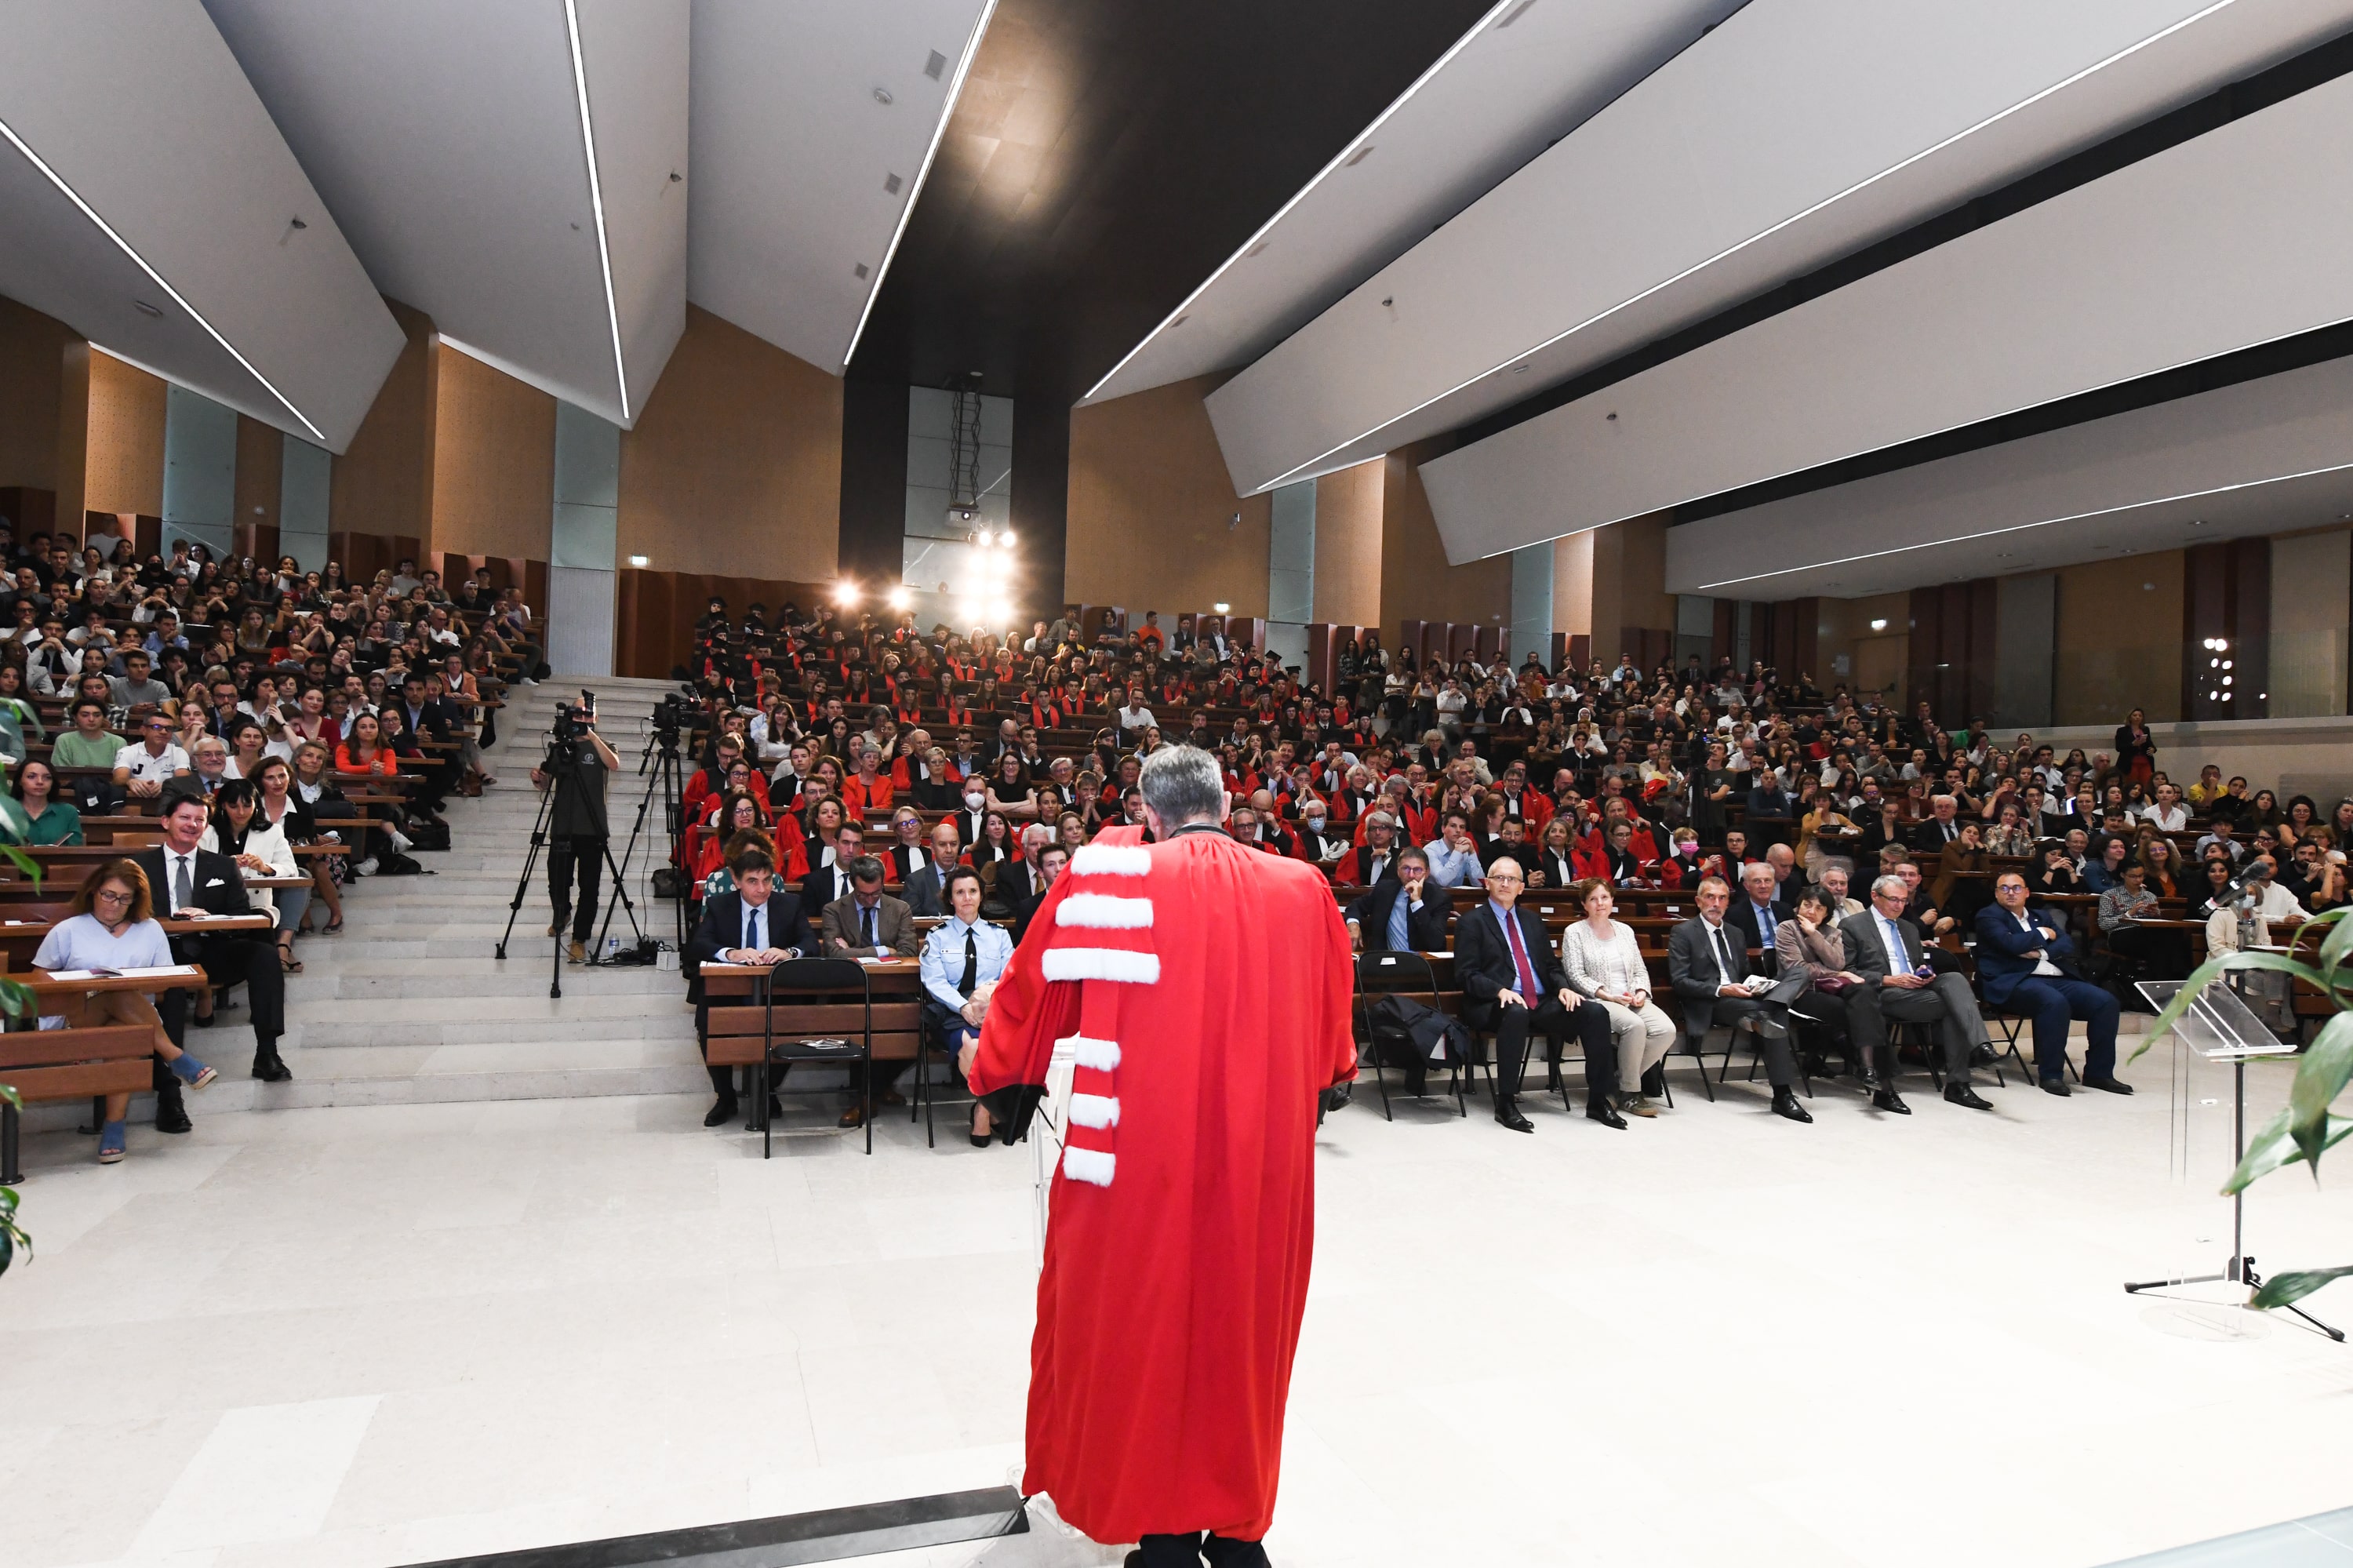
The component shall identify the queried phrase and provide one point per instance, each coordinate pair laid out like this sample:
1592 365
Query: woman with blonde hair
112 926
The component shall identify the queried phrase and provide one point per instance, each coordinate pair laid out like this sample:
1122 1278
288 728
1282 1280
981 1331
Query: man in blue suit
2026 963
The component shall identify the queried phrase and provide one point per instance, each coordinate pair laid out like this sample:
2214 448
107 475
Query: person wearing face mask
1321 844
972 813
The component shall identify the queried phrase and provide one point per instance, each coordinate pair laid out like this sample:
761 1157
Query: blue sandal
190 1071
109 1143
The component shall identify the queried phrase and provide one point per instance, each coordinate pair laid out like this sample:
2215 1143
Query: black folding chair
1409 976
927 1047
839 979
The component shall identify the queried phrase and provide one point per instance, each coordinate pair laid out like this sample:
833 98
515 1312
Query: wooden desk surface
43 982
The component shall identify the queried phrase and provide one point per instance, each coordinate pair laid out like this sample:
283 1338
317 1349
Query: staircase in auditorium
408 1004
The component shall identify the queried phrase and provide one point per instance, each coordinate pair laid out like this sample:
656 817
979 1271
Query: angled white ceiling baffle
147 201
1527 74
1796 133
814 123
506 168
2229 240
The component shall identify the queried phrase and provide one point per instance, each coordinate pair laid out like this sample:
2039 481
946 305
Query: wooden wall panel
123 465
383 484
1348 510
736 460
32 395
260 468
1415 578
493 461
2119 638
1152 509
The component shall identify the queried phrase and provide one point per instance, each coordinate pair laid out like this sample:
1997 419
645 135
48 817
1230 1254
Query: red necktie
1520 956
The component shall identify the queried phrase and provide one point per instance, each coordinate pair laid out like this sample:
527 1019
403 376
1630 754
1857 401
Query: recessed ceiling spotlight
1180 321
883 96
1518 11
1255 248
860 270
890 184
144 309
1519 369
1359 156
934 65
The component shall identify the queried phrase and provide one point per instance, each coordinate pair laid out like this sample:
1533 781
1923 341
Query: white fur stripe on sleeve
1100 1054
1101 963
1088 1165
1111 860
1102 910
1094 1110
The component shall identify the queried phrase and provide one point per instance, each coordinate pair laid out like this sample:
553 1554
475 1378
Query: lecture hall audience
1827 861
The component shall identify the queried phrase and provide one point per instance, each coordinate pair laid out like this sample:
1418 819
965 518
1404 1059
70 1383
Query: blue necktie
1396 923
751 928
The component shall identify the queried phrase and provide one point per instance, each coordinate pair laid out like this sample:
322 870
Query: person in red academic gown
1203 989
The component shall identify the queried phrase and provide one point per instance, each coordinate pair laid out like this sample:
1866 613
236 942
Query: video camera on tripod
572 721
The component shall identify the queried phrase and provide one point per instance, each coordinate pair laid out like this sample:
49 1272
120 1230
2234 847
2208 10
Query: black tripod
662 772
562 766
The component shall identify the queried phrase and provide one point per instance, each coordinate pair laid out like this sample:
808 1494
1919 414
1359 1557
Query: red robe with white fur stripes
1169 1308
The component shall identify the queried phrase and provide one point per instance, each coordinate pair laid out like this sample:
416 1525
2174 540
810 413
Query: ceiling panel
2261 457
139 108
2231 239
1524 76
446 137
1797 131
795 151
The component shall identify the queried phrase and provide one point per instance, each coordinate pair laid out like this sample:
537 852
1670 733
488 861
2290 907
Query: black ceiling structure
1106 157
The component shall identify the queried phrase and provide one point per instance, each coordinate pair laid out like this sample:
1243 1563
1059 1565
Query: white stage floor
388 1335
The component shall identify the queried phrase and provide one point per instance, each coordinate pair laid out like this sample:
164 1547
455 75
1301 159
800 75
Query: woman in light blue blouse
113 927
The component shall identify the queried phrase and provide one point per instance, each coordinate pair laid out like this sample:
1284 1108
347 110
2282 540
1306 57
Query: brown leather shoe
890 1097
854 1117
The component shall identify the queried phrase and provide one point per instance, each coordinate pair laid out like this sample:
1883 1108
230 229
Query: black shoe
173 1121
1962 1095
2108 1085
1654 1083
2056 1086
202 1021
269 1069
1604 1113
1889 1100
1507 1112
1983 1056
1785 1102
721 1112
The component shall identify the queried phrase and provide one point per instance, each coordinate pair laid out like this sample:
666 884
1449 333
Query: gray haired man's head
1183 784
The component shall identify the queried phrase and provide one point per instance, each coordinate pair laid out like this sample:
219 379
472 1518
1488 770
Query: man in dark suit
1513 984
2027 963
186 879
753 924
1051 862
825 884
925 887
1940 827
1376 858
1405 914
972 812
1885 949
1707 964
1758 908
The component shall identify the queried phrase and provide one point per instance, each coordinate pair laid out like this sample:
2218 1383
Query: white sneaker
400 840
366 867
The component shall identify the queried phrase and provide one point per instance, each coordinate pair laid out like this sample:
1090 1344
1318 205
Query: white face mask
1316 823
976 801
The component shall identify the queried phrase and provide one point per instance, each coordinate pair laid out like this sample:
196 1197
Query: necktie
866 924
752 927
184 884
1520 957
971 963
1724 959
1765 927
1399 911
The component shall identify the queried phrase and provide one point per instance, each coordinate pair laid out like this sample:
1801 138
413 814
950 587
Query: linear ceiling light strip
1339 160
178 299
915 189
2023 528
597 201
1735 249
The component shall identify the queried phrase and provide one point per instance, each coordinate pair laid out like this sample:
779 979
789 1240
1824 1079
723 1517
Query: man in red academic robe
1202 990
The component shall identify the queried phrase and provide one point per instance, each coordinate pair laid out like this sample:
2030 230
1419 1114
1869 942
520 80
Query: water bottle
612 948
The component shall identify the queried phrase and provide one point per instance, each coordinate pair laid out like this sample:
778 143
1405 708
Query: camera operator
576 829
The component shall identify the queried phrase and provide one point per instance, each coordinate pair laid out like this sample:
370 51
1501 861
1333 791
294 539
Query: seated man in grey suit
1707 963
926 889
1885 948
869 924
